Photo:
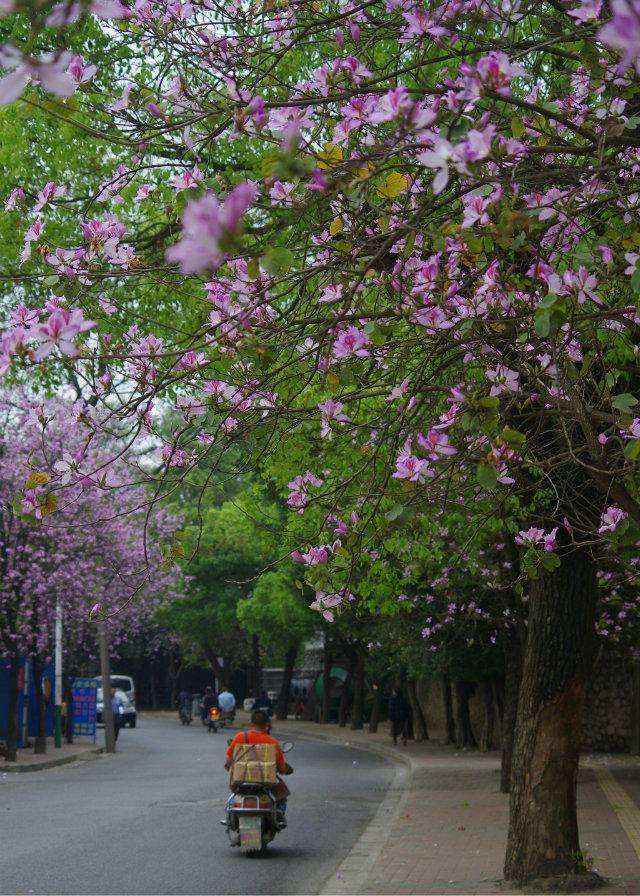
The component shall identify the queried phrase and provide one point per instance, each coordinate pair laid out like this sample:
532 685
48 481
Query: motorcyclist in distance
208 702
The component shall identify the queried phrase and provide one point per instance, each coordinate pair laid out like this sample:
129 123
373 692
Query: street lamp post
105 673
57 731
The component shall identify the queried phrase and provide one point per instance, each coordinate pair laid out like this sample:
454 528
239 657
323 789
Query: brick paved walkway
446 833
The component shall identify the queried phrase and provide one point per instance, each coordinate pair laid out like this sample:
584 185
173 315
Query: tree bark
376 708
419 722
326 681
11 749
282 705
40 743
512 677
357 709
447 699
153 682
466 737
543 826
489 721
345 697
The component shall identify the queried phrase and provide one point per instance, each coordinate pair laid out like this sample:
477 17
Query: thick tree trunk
466 737
489 720
345 697
153 682
357 710
40 743
11 749
543 826
326 682
447 700
282 705
376 708
419 722
512 677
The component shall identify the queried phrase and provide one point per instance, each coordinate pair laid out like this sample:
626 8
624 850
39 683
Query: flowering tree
86 558
405 228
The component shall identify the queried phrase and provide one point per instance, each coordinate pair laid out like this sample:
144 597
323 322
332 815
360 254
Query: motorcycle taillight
237 803
251 802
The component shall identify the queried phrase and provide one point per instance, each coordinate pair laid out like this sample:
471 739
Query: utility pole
57 731
105 672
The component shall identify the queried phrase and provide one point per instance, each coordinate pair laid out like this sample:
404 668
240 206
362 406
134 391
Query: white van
123 683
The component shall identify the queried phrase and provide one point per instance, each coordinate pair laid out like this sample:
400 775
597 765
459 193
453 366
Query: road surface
147 820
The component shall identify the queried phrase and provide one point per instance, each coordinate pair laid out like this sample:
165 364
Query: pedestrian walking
115 711
265 703
398 713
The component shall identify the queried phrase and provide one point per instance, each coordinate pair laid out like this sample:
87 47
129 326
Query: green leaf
395 512
513 437
36 479
624 402
632 449
474 244
277 261
543 323
487 475
550 561
253 269
517 127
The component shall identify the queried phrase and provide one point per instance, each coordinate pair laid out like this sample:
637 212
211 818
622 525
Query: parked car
123 683
128 715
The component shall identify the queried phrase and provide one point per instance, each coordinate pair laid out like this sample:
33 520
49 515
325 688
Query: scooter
252 816
227 717
213 719
185 714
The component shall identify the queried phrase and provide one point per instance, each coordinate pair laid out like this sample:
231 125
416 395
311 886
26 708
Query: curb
351 875
50 763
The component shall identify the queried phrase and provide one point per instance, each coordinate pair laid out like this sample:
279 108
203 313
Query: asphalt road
147 819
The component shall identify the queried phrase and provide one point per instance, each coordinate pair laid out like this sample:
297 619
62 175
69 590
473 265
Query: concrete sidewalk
28 761
443 827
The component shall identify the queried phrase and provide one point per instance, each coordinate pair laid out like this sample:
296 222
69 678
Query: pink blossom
326 603
436 444
410 467
504 380
187 180
207 224
280 193
49 71
144 192
351 342
622 32
331 293
47 193
60 331
15 196
529 537
611 519
81 71
66 13
331 412
587 11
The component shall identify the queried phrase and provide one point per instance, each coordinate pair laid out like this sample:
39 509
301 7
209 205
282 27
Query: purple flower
49 71
611 519
206 225
622 32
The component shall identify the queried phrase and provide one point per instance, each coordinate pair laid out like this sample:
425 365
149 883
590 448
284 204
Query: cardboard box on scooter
254 764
